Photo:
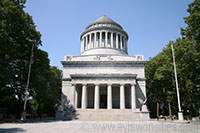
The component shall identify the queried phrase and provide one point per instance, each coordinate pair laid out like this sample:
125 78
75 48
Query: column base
136 110
145 115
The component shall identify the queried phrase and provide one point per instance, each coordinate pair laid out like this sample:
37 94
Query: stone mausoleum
104 82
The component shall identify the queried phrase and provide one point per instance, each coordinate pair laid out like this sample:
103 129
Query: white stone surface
122 97
109 95
84 97
97 99
50 126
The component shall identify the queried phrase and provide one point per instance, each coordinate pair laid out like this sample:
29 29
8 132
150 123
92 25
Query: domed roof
104 19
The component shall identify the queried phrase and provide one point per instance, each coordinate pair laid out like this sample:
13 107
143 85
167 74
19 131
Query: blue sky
150 24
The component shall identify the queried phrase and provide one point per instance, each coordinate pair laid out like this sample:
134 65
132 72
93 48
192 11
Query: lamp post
180 113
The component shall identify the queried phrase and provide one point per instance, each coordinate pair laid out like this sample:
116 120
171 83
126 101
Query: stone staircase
108 115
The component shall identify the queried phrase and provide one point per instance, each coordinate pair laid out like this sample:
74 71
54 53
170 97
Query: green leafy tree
53 92
160 73
193 29
161 83
17 36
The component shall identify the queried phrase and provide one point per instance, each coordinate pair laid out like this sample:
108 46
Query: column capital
133 82
109 84
84 84
122 84
96 84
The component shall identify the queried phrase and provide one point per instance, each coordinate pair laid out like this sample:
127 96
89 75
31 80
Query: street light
180 113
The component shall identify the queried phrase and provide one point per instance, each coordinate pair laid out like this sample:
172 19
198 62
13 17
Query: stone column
109 96
75 99
133 97
96 97
120 41
106 39
111 39
122 97
117 41
86 42
84 97
90 42
81 45
95 39
73 96
100 40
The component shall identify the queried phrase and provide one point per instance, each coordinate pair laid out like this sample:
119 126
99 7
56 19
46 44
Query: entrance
103 101
103 97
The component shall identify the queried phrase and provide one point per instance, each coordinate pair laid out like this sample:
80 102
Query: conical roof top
104 19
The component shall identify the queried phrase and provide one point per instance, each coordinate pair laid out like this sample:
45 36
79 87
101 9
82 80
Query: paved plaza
152 126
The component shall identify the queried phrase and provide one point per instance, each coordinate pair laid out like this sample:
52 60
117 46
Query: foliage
193 29
160 73
17 36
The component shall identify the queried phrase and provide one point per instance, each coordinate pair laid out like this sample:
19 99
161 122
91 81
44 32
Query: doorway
103 97
103 101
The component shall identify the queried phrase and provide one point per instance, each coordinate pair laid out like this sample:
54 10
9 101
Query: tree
46 91
159 75
191 42
159 70
193 29
53 92
17 36
161 83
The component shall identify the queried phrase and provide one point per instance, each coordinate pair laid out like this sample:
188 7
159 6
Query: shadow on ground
11 130
17 121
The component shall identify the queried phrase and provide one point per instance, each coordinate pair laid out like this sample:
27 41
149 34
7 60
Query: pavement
76 126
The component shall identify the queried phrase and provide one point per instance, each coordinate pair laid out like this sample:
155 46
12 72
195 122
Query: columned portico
110 90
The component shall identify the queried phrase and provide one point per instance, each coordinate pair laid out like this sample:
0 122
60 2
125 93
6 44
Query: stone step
108 115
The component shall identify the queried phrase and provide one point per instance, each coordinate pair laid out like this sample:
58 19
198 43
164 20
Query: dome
104 36
104 19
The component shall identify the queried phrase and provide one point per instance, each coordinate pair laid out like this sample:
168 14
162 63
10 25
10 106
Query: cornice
104 28
102 62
